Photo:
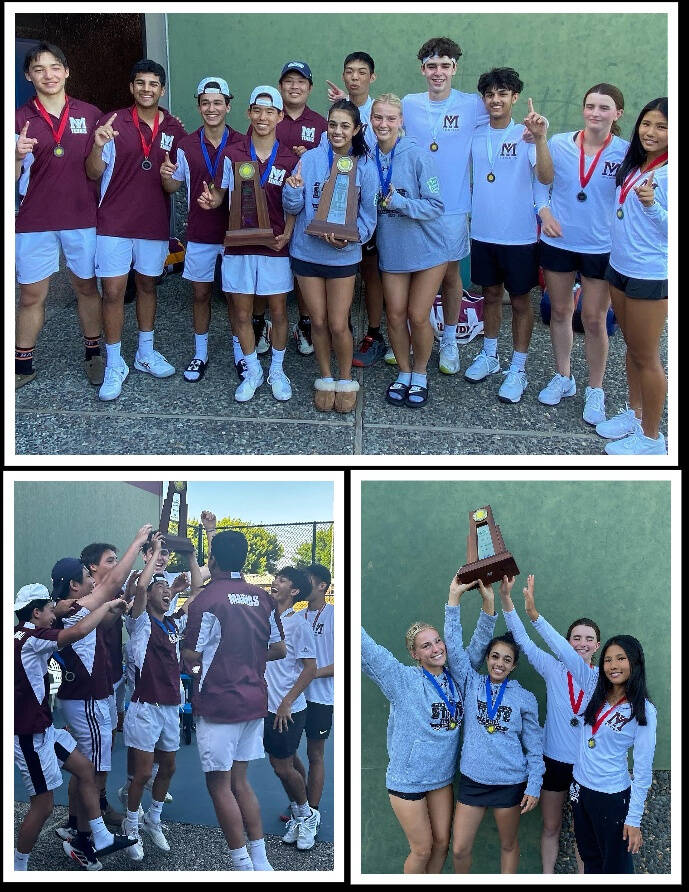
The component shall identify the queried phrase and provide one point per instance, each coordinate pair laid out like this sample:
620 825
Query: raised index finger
649 180
109 123
331 84
530 106
24 129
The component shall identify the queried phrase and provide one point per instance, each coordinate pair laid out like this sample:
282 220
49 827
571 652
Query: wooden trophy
176 498
487 557
339 203
249 222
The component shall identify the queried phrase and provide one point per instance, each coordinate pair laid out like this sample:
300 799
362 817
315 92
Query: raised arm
94 164
381 667
457 657
113 582
539 659
88 624
142 583
537 126
485 627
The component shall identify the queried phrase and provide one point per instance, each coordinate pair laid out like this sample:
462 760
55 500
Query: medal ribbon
448 678
163 626
154 129
57 134
585 177
385 178
492 708
629 182
601 718
442 105
212 167
273 155
489 142
313 625
575 703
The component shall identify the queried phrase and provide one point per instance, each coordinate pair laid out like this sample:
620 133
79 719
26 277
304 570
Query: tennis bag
470 323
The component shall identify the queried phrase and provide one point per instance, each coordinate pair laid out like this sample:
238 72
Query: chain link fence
271 547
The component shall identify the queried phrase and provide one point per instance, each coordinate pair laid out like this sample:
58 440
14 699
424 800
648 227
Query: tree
324 550
264 548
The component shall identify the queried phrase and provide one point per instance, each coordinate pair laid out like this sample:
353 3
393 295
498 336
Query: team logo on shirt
20 635
277 176
501 719
318 629
610 168
433 185
308 134
508 150
77 125
244 600
451 122
166 141
618 721
441 717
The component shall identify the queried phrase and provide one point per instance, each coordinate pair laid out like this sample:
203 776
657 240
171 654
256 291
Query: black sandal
199 367
397 387
418 391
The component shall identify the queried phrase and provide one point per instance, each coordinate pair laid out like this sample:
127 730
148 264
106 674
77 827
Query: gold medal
453 725
491 177
58 151
592 742
434 146
620 213
490 728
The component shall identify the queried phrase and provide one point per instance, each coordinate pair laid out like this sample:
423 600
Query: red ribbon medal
58 151
632 179
146 164
585 177
601 718
575 703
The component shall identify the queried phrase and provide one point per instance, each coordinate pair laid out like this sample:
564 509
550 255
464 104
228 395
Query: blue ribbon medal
212 167
492 708
450 704
172 635
385 178
269 166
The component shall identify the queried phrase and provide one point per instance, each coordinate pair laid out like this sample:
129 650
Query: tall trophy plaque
249 222
487 557
339 201
176 503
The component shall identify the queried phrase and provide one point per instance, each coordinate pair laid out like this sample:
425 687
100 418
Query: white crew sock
146 344
131 824
154 811
404 378
240 859
21 861
257 853
490 346
236 349
113 357
303 811
102 837
277 360
518 363
419 379
200 352
252 364
449 334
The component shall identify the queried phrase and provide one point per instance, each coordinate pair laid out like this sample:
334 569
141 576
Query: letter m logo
610 168
508 150
451 122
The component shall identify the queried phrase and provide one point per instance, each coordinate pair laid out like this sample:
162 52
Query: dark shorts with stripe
319 720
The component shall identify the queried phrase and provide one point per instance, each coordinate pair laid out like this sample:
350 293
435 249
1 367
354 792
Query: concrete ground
60 413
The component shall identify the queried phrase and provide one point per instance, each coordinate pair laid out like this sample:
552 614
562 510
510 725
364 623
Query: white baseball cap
34 591
214 85
275 97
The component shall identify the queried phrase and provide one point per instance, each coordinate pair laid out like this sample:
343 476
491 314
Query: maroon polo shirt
85 670
205 227
306 130
229 624
156 652
284 164
112 640
58 195
133 202
32 649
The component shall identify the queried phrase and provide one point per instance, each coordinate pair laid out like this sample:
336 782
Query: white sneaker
390 356
594 405
448 360
620 425
307 830
263 342
292 832
556 388
302 336
155 365
637 444
249 386
482 366
113 379
155 831
280 384
135 852
513 386
123 796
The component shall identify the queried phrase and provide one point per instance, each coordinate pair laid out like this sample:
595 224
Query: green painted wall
57 519
559 56
596 549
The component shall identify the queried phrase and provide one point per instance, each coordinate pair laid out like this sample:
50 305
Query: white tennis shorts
199 261
149 727
89 722
221 744
115 255
37 254
39 758
256 274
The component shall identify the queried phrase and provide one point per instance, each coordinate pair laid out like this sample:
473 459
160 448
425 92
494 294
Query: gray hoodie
422 747
410 236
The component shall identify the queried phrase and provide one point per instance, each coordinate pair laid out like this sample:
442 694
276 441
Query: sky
262 502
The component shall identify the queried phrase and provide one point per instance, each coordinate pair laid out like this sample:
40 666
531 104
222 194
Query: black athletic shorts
641 289
322 270
370 248
515 266
489 795
559 260
319 720
558 775
282 744
410 797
